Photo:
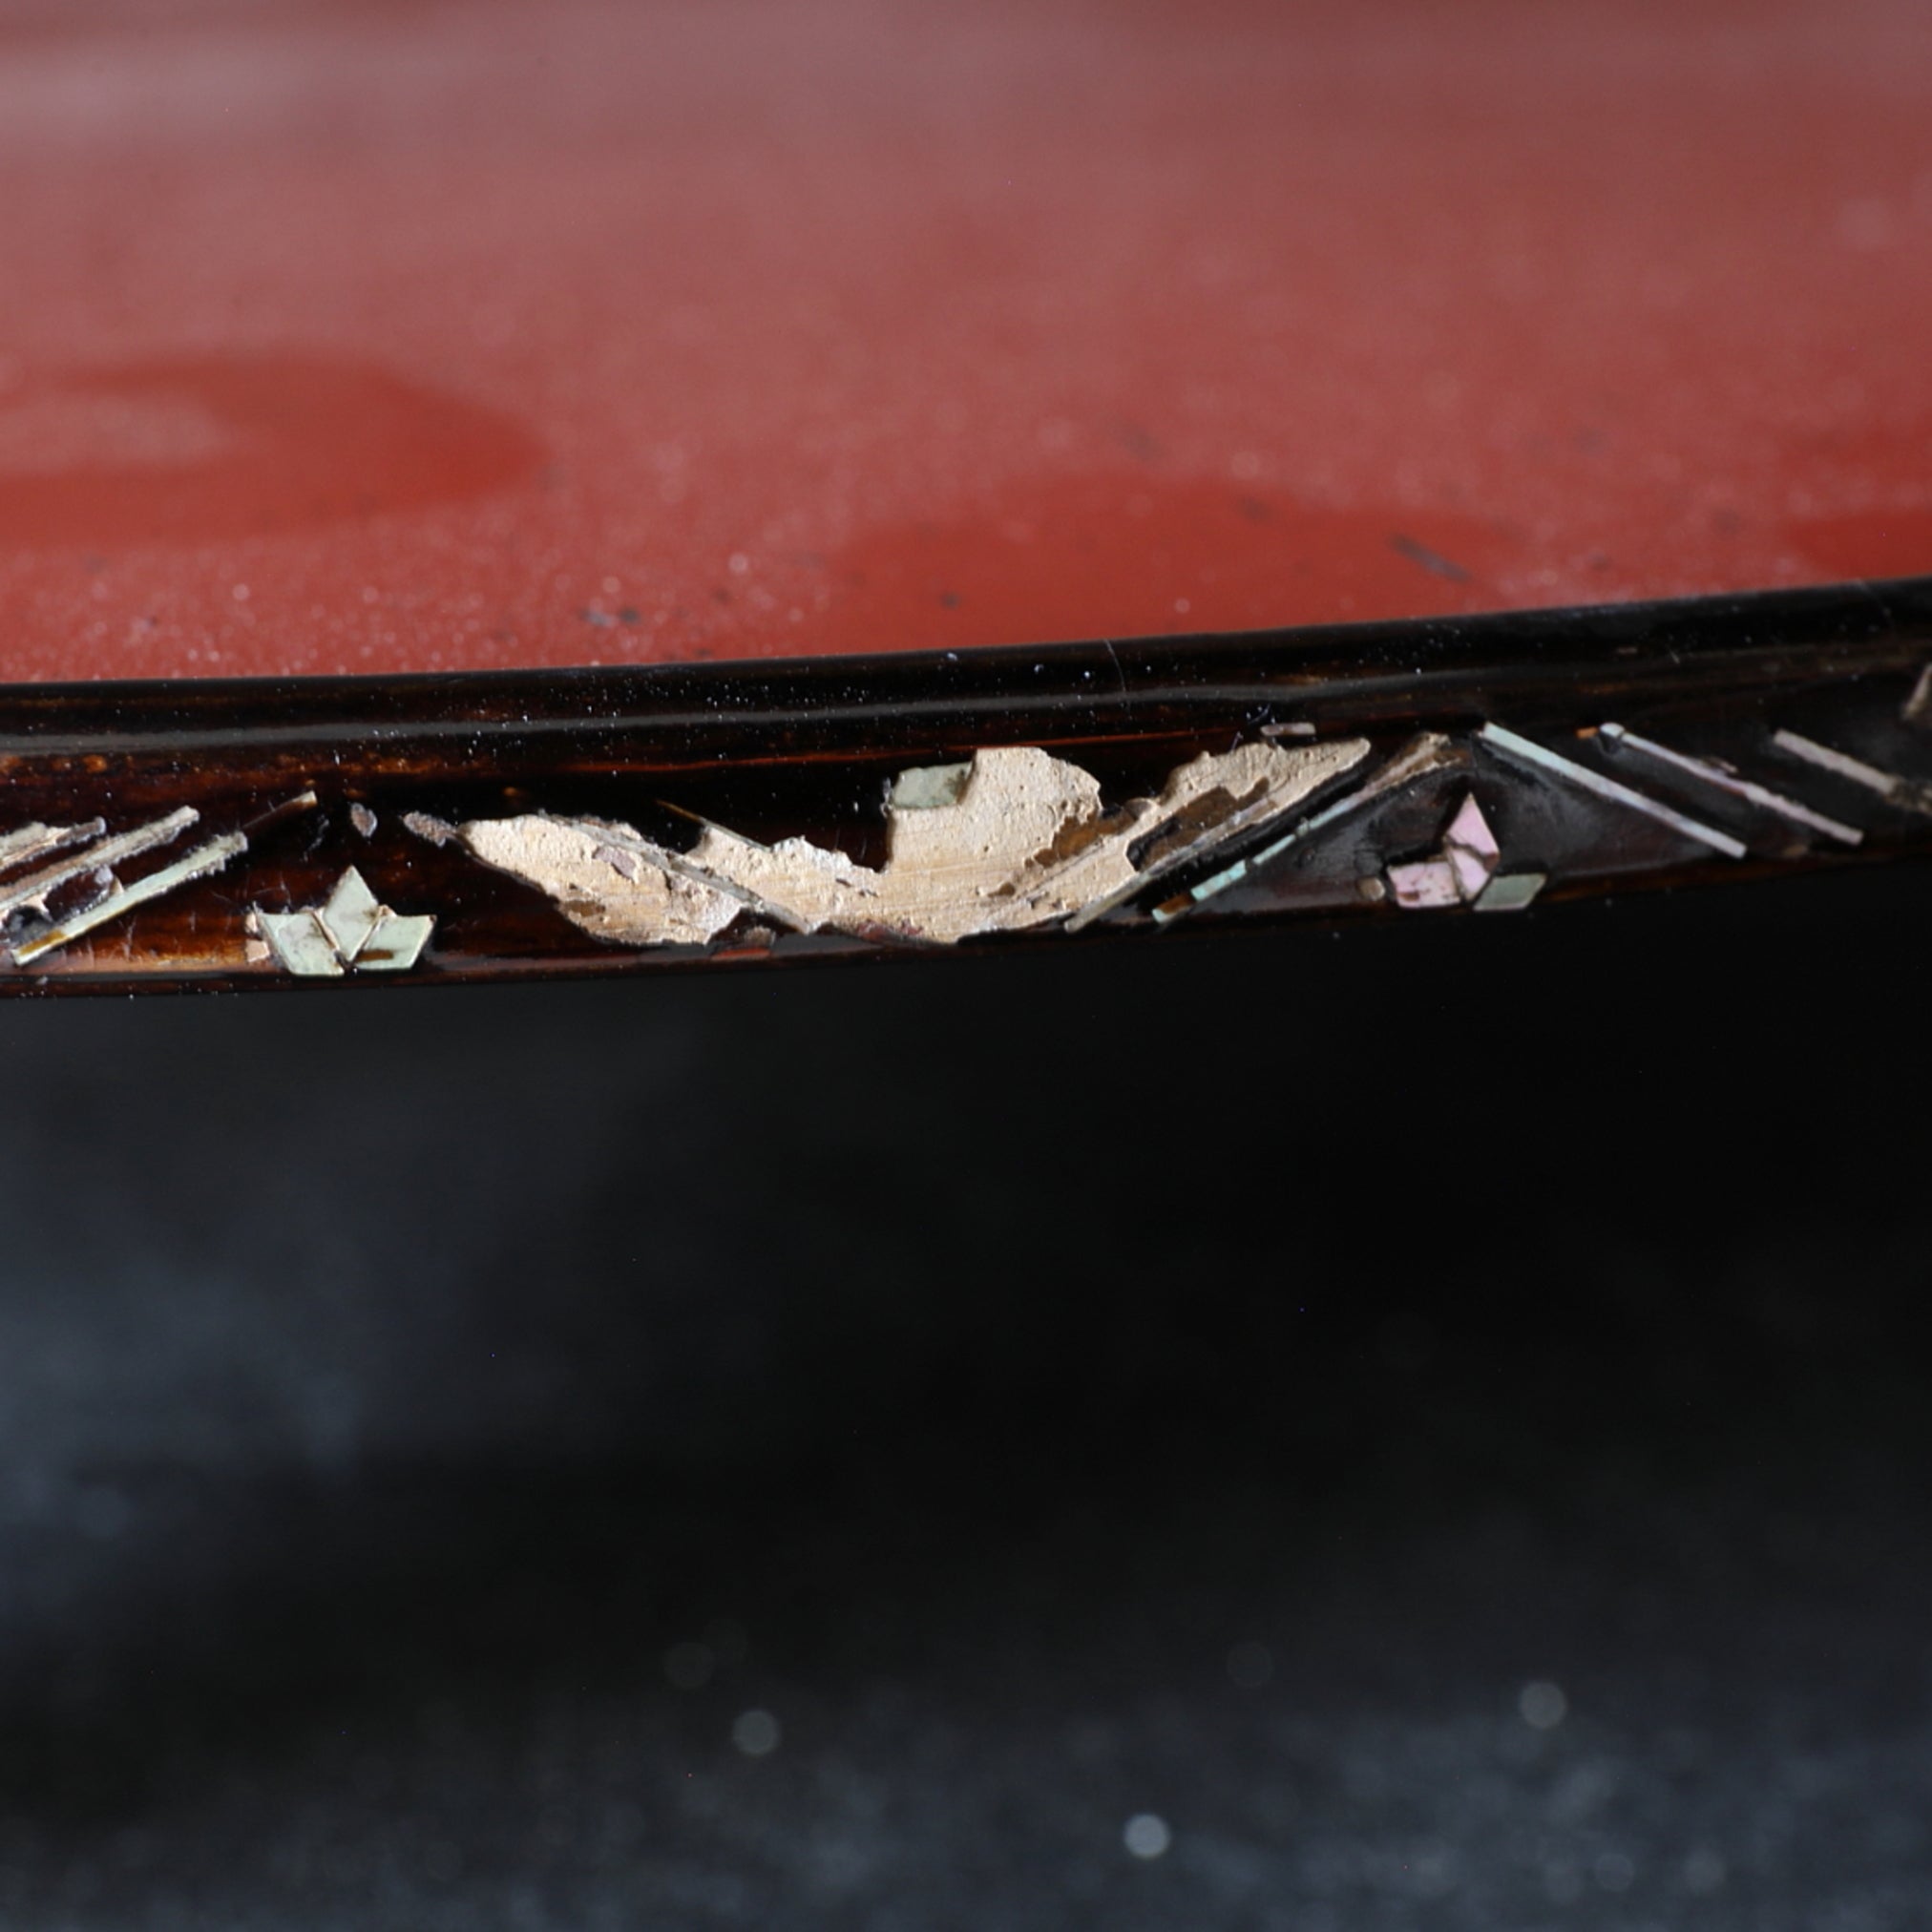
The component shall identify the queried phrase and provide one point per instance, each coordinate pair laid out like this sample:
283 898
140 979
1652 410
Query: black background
972 1353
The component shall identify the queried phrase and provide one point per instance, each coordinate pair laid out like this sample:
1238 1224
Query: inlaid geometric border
242 834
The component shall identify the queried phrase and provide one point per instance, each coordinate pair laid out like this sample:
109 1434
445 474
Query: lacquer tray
511 488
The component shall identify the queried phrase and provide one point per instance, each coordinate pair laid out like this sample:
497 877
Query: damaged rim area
379 830
1011 840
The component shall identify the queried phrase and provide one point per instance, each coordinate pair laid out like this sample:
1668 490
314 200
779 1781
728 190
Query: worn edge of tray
440 827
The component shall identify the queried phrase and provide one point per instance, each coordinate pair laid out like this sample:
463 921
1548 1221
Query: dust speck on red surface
563 331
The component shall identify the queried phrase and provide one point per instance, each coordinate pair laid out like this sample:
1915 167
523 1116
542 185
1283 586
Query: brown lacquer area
410 831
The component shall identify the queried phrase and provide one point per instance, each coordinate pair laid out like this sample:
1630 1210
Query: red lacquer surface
400 336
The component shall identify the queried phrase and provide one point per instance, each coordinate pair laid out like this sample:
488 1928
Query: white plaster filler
1012 839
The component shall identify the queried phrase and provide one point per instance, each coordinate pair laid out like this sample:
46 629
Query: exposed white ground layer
1010 839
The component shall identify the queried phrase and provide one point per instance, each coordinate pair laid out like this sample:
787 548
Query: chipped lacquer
434 829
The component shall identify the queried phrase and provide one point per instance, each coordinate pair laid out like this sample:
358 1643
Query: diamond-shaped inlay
1464 871
350 929
351 915
395 942
301 945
